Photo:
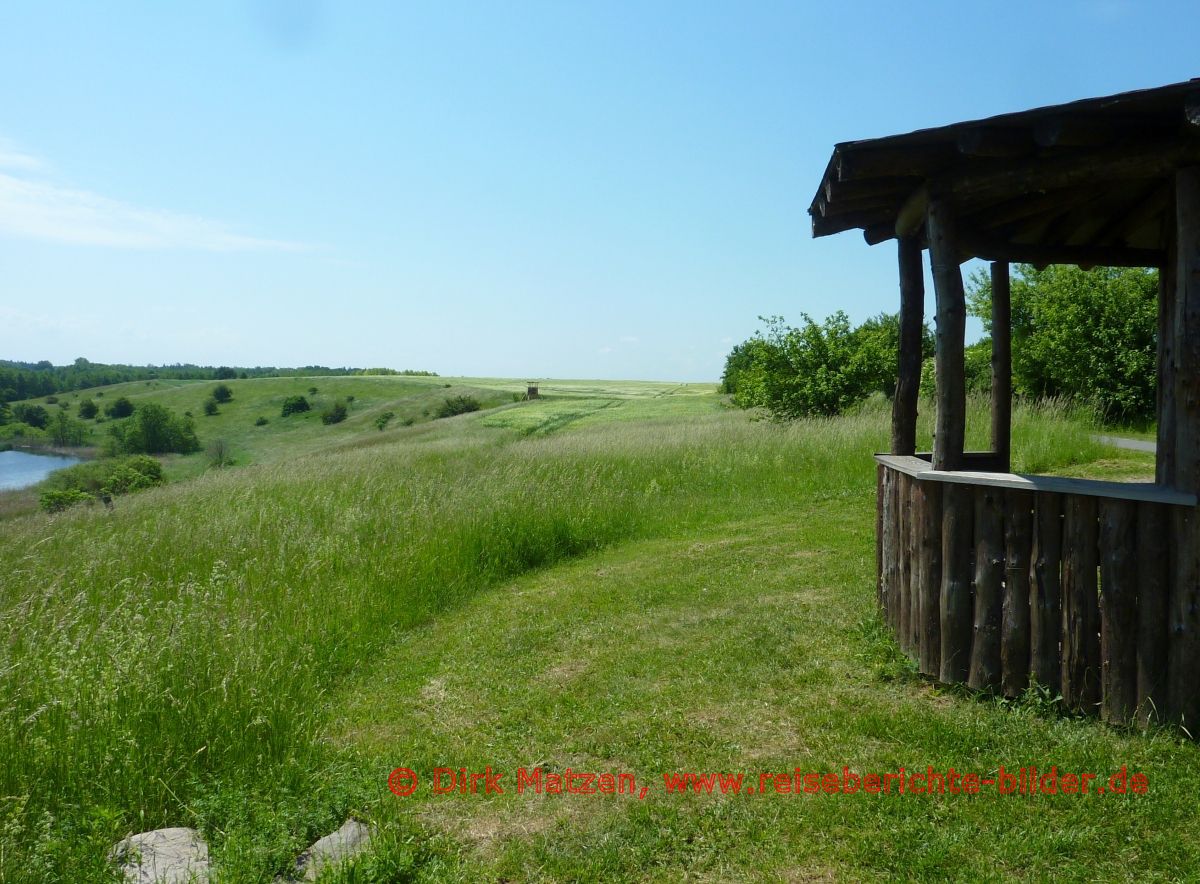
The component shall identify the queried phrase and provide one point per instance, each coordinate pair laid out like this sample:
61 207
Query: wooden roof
1087 182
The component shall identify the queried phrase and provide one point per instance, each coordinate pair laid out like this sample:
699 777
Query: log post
1165 391
951 329
989 579
1015 618
1045 593
912 316
955 603
1080 604
1153 582
1001 367
929 568
1183 664
1118 610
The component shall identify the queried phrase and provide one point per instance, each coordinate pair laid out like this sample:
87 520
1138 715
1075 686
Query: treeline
1089 336
26 380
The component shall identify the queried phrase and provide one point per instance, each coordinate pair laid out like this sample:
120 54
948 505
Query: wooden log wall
1002 589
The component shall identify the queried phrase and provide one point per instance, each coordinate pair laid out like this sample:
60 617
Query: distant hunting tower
532 392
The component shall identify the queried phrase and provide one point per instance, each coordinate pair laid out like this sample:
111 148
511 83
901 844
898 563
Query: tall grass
183 645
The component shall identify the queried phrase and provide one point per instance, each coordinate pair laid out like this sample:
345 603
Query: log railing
994 579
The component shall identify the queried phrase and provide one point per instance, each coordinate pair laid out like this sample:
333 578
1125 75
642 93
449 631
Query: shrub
295 405
219 453
119 407
335 414
51 400
57 501
312 391
66 431
458 405
88 409
382 420
154 429
34 415
222 393
210 407
261 422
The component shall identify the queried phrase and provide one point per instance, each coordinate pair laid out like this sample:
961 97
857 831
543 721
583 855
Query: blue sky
560 189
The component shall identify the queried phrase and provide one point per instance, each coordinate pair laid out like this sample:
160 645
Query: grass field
619 578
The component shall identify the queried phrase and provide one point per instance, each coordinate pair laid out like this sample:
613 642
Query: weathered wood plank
929 571
1148 491
1152 597
951 327
955 602
1080 605
1045 593
912 316
887 554
1118 610
1015 615
1001 366
989 579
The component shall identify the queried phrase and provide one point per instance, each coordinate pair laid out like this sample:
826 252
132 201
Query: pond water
19 469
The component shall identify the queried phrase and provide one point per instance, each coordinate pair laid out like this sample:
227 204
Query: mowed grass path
751 647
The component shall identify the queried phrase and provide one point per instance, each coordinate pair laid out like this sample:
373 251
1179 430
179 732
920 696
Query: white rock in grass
347 842
164 856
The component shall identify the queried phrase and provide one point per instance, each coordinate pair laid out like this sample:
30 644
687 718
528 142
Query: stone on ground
164 856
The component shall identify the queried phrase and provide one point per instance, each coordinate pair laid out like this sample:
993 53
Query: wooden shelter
990 578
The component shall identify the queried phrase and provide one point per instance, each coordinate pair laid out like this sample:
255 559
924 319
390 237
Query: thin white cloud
604 350
628 339
44 210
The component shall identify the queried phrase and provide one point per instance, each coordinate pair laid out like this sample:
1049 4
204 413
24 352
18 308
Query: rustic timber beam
995 141
951 327
1151 160
1001 366
889 162
1151 205
912 315
822 226
1191 109
1072 130
877 233
981 246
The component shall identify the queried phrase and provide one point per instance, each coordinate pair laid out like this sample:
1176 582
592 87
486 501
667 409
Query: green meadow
618 578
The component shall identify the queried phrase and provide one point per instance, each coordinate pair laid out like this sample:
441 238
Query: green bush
382 420
65 430
458 405
88 409
335 414
222 393
295 405
261 422
119 407
34 415
154 429
210 407
57 501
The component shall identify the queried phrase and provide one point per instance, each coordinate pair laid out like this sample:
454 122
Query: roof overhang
1089 181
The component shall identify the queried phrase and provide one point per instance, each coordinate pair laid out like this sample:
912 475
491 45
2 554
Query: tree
34 415
1090 335
119 407
210 407
458 405
88 409
66 431
295 405
155 429
382 420
224 373
222 393
335 414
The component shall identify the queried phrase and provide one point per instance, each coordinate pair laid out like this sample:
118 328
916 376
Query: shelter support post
1183 664
1001 367
950 427
912 316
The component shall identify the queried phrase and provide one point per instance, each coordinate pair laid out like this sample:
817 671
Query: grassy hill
620 578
